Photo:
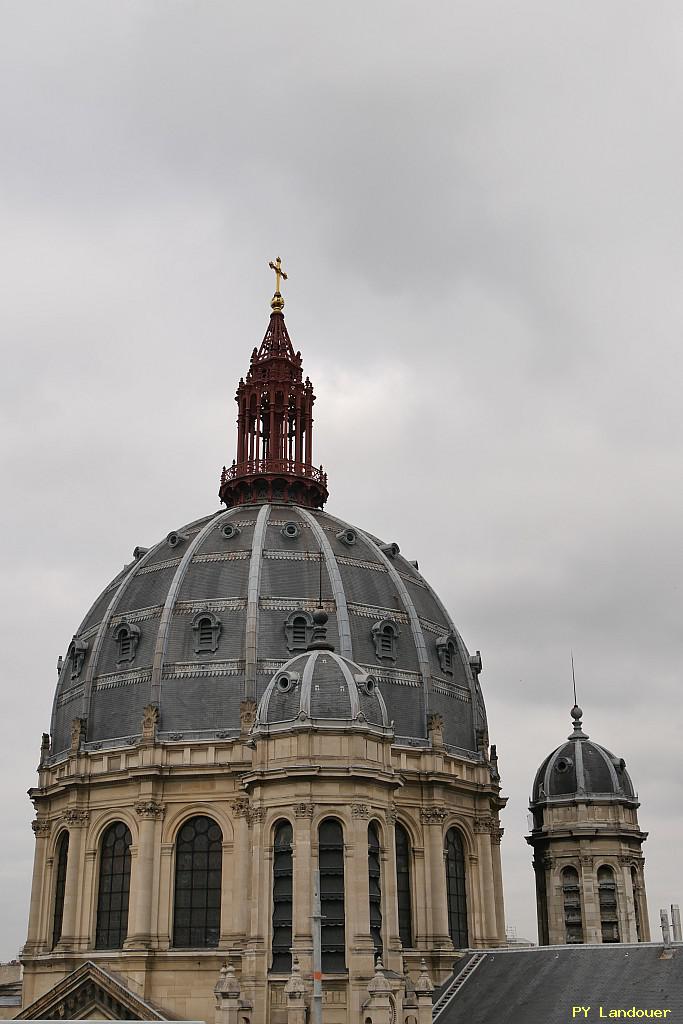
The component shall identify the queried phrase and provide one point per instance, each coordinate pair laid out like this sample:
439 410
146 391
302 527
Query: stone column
482 829
295 993
140 930
592 929
423 991
227 992
378 1005
390 897
303 867
626 907
240 875
41 828
437 902
357 889
496 838
76 820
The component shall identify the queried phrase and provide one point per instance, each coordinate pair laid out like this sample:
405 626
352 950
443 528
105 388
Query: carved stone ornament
435 729
547 862
240 808
433 815
150 720
42 827
247 715
74 817
392 816
586 860
359 810
303 810
256 815
77 734
497 835
484 824
150 809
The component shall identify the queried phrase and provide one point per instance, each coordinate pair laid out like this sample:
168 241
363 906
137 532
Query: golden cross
279 273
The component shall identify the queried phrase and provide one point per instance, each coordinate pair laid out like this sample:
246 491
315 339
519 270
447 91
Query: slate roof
251 570
541 985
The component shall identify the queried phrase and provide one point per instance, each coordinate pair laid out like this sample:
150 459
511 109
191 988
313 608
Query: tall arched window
114 888
607 896
571 901
60 885
331 863
197 907
405 915
282 897
636 901
375 888
456 894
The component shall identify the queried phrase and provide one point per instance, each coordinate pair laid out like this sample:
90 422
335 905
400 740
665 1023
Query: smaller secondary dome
580 769
320 688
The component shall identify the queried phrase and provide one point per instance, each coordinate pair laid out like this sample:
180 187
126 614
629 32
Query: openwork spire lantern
275 424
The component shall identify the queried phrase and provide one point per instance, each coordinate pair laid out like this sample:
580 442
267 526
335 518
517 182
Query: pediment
90 993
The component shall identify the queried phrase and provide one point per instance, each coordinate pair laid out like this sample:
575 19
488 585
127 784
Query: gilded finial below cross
277 301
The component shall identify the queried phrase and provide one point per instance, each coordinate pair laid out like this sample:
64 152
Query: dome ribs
169 604
253 591
343 623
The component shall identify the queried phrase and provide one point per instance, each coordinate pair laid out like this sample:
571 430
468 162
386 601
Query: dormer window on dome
77 651
385 634
126 638
299 630
207 629
446 649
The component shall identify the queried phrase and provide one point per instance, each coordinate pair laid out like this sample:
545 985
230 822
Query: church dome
581 769
200 621
322 689
197 625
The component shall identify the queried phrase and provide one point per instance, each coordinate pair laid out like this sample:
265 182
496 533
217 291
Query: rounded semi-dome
581 769
201 621
321 688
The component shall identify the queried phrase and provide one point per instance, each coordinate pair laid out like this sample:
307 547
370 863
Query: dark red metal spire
274 424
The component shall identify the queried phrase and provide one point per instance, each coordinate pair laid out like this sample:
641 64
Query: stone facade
246 786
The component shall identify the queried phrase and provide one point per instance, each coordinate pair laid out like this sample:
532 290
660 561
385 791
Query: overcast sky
479 207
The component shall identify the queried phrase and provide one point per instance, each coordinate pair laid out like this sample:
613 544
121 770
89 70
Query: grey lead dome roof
581 769
322 688
248 571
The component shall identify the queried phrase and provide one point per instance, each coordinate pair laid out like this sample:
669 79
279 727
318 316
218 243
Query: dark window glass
112 900
607 895
571 897
331 863
197 907
455 889
375 888
60 885
282 897
405 921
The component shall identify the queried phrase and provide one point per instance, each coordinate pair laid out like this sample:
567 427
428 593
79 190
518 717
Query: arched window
299 630
571 901
60 885
114 889
126 638
456 894
607 896
197 908
207 629
385 634
405 917
282 897
331 863
375 888
636 901
446 649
